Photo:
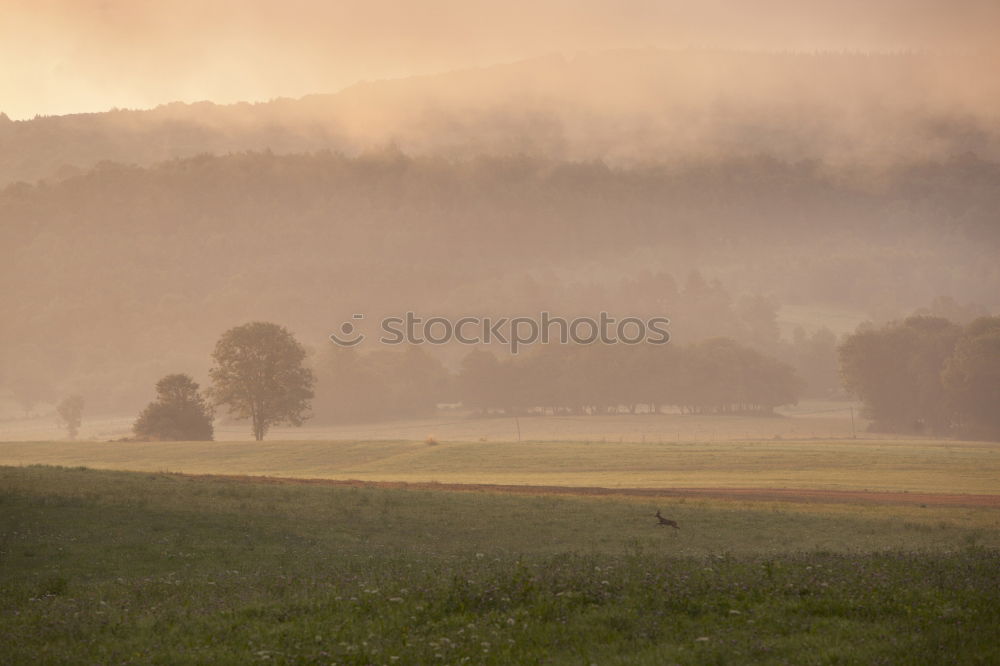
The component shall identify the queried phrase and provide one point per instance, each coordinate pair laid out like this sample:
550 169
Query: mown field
934 466
117 567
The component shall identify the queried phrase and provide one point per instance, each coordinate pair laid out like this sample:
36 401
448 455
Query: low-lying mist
123 274
623 107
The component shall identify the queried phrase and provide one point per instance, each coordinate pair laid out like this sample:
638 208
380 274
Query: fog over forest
622 107
777 198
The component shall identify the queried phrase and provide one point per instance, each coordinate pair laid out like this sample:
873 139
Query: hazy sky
64 56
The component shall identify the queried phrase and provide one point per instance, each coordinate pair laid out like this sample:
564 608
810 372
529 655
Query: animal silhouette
666 521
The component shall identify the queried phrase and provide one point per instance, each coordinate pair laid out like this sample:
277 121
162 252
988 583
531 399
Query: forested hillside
124 274
624 107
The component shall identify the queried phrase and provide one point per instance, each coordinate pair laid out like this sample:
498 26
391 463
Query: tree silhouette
179 413
259 374
896 372
972 378
70 414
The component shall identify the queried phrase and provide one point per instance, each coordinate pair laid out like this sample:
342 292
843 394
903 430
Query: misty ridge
622 107
715 188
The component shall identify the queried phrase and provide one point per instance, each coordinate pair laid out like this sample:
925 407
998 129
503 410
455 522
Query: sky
70 56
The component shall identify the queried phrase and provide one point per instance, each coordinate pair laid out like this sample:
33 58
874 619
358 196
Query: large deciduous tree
180 413
259 375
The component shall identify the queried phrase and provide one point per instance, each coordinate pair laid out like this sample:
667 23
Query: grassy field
811 419
115 567
933 466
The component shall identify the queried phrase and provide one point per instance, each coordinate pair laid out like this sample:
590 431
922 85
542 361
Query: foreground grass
101 567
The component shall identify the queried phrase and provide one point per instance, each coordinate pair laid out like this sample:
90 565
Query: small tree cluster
258 374
179 413
927 374
715 376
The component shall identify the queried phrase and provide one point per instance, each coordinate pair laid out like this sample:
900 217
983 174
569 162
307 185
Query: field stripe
799 495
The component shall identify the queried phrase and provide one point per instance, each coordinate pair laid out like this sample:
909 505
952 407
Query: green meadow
130 567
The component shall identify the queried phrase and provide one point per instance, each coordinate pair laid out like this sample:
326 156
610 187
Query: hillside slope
619 106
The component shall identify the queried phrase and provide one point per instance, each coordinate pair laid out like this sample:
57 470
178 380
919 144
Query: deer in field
664 522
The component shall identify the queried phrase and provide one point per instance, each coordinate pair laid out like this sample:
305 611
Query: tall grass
111 567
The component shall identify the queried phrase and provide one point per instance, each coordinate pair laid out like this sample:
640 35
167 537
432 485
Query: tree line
259 374
715 376
924 374
928 375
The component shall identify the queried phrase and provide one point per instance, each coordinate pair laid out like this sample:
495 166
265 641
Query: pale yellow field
916 466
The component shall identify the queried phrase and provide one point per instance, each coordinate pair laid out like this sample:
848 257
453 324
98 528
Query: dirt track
745 494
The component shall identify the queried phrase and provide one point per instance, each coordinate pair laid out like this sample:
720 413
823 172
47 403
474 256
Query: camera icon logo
347 330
